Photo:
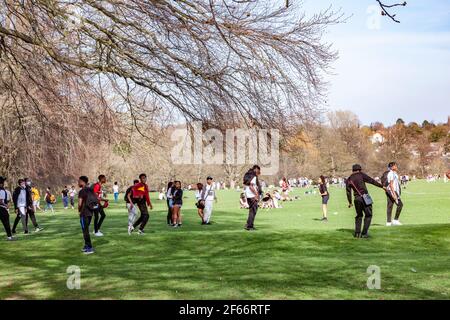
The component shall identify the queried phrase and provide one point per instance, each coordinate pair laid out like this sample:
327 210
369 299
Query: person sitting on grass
276 198
243 201
267 201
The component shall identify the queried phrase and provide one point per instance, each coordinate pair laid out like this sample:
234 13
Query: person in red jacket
142 199
99 215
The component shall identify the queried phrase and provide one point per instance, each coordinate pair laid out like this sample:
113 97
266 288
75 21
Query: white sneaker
98 234
130 229
388 224
397 223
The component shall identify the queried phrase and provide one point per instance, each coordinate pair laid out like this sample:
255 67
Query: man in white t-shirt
252 192
116 192
393 195
209 195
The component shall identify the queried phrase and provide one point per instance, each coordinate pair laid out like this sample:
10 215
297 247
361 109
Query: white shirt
72 193
3 196
22 199
210 192
393 176
248 192
198 194
116 188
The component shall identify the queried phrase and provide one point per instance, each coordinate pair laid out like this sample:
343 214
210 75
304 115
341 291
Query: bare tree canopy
195 58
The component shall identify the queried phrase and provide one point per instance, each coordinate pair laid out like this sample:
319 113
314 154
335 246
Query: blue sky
387 70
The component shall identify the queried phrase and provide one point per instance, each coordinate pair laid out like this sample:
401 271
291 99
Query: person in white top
116 192
252 192
72 194
394 195
4 207
209 196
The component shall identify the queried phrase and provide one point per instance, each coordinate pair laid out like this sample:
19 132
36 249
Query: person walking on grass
200 204
209 196
177 198
87 205
141 195
130 203
30 208
323 190
72 194
65 197
49 200
4 209
393 195
253 193
116 192
169 201
36 197
99 214
363 202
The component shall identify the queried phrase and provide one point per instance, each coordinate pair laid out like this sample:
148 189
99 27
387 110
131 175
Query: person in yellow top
36 198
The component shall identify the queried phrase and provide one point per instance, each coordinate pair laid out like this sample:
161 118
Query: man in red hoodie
142 199
99 214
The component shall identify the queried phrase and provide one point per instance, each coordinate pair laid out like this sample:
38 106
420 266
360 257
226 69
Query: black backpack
384 179
248 177
127 193
91 200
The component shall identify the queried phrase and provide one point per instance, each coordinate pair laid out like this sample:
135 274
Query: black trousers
85 222
30 213
24 219
99 216
169 213
390 207
4 217
252 210
362 211
143 219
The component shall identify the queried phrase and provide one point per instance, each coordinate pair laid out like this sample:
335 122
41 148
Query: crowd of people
92 201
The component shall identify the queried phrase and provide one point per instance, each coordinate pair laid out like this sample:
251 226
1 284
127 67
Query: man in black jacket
21 200
23 205
30 211
357 182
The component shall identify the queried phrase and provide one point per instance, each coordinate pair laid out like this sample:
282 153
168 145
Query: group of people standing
24 209
92 202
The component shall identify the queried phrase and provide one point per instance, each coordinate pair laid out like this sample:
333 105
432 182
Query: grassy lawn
292 255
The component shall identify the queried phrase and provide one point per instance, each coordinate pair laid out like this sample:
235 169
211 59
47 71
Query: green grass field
292 255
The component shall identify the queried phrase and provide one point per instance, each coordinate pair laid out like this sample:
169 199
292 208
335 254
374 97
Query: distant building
377 138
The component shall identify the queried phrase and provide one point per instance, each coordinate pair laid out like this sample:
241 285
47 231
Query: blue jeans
65 201
116 197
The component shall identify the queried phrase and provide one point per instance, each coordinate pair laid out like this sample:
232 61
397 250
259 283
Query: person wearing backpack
87 205
131 207
142 199
362 200
4 207
99 215
253 193
49 200
393 194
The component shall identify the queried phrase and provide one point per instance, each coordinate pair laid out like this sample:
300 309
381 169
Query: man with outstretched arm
363 205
